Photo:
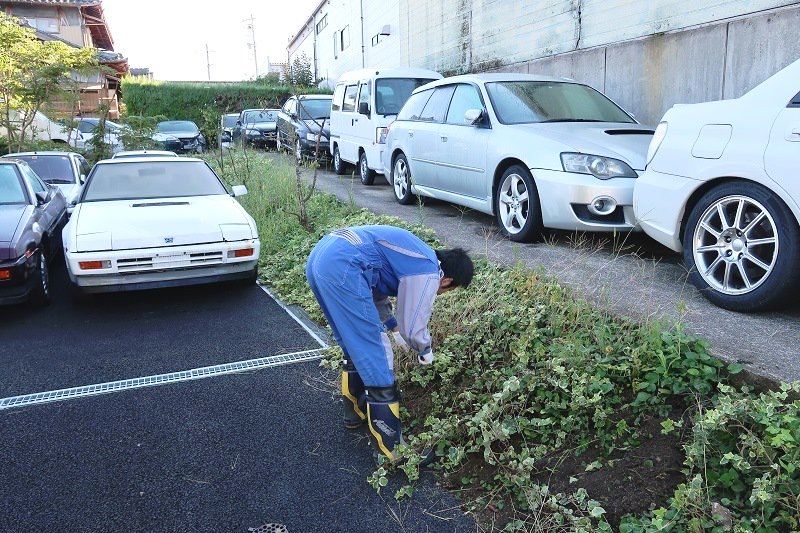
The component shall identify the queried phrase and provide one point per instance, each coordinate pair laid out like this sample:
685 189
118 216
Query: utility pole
251 27
208 63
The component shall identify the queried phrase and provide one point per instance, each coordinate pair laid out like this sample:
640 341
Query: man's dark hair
456 264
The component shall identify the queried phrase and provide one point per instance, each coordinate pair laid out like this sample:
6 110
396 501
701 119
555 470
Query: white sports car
722 186
154 222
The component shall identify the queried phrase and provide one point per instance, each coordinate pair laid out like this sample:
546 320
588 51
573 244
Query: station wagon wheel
40 295
338 164
366 174
401 180
741 247
517 205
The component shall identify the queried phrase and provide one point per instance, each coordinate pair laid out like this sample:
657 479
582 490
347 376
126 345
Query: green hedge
186 101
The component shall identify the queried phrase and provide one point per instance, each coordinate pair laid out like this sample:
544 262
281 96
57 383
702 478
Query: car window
85 166
436 108
392 93
291 107
51 168
521 102
30 176
84 126
151 179
315 108
350 98
229 121
261 115
414 105
11 191
363 95
183 126
795 101
338 98
466 97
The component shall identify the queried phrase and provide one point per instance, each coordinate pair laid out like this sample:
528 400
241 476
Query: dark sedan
256 127
299 124
32 215
186 131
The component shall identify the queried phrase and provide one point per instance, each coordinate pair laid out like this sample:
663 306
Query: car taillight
5 274
242 252
94 265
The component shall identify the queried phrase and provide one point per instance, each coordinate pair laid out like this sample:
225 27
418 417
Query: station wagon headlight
603 168
313 137
655 142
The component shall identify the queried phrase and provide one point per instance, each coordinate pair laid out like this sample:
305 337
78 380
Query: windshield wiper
573 120
69 182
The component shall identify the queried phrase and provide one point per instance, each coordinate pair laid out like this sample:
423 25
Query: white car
88 128
534 151
65 170
722 186
154 222
143 153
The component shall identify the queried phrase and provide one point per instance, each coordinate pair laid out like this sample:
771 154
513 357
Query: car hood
131 224
313 127
628 142
10 218
162 137
263 126
182 134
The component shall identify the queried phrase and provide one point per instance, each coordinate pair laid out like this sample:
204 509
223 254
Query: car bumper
17 289
262 139
163 267
659 203
310 147
566 199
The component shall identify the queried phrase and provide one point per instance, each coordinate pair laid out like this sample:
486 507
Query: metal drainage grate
269 528
149 381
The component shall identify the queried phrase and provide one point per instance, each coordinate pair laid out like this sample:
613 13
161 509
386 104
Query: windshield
229 121
11 191
251 117
51 168
177 125
316 108
525 102
151 179
392 93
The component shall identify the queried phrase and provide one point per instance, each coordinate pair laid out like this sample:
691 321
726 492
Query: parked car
87 126
153 222
722 186
42 128
65 170
533 151
143 153
364 103
227 123
32 214
191 140
256 127
299 124
167 142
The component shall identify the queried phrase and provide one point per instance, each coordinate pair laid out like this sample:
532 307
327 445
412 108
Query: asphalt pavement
224 453
630 274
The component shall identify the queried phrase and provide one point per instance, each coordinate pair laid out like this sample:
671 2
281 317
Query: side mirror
363 108
42 197
473 117
238 122
239 190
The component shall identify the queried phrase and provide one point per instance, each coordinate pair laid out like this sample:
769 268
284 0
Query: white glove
425 358
400 341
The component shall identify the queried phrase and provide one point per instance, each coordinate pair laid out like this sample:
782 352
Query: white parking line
175 377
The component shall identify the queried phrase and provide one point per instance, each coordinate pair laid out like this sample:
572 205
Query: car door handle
410 133
793 135
443 138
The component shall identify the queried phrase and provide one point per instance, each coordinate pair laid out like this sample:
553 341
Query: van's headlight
380 135
655 142
603 168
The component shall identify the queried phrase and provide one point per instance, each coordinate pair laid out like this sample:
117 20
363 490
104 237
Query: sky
170 36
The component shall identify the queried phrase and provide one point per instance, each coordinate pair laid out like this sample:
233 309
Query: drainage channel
160 379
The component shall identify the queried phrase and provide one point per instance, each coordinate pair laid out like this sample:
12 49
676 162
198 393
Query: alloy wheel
735 244
514 203
401 181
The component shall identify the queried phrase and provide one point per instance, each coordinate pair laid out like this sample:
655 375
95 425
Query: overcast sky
170 36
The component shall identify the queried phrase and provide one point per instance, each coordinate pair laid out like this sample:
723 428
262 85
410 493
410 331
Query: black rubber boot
354 397
383 417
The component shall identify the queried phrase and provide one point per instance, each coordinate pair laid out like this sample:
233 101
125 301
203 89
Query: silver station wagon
534 151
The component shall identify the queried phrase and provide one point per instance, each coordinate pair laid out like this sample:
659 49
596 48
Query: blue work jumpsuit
353 272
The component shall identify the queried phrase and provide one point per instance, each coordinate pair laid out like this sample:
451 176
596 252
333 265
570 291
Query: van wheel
401 180
366 174
338 164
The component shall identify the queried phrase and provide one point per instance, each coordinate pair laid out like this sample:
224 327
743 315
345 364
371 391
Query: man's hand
400 341
425 358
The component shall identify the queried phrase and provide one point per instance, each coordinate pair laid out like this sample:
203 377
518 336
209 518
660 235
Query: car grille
168 262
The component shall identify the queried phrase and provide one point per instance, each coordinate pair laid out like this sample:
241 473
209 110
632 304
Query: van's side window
363 96
349 103
338 97
414 105
465 97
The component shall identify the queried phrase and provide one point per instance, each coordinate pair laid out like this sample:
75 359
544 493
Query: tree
33 73
299 73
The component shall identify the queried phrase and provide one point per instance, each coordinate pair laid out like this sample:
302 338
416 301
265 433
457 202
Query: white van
41 128
364 103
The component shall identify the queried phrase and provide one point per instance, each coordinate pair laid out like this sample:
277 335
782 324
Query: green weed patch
533 387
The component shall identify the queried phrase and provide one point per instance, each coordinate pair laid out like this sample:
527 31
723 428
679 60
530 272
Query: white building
645 54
